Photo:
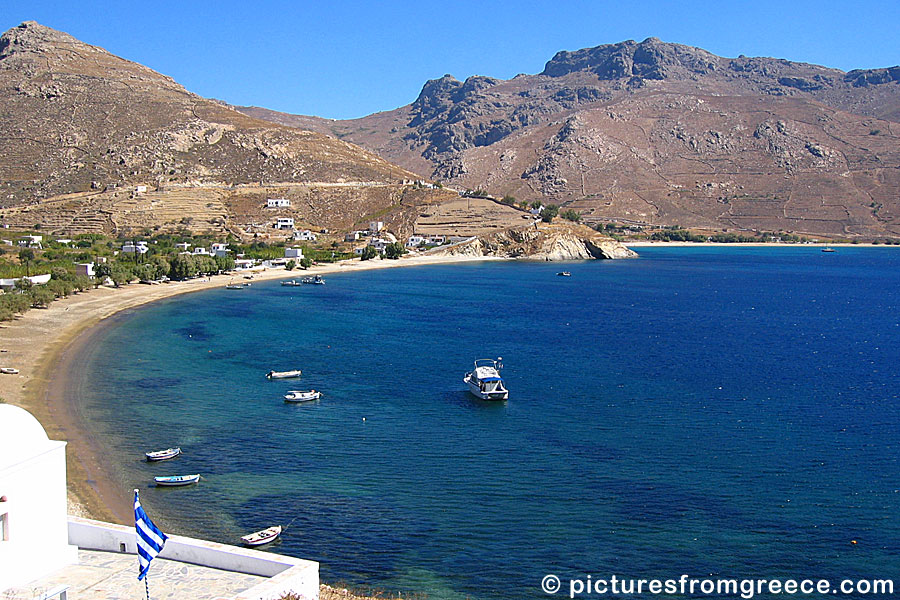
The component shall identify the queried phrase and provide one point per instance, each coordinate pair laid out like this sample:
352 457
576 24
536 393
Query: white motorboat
163 454
564 274
301 396
176 480
484 380
292 282
234 286
283 374
9 371
258 538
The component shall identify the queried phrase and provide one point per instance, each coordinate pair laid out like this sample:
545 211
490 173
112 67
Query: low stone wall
286 574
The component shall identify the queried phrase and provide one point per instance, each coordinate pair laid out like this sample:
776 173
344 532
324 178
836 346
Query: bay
724 412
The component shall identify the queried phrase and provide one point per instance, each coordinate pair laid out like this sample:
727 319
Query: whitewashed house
376 226
305 236
353 236
218 249
284 223
34 536
278 203
85 269
295 253
31 241
135 248
183 246
198 251
243 263
415 241
435 240
140 189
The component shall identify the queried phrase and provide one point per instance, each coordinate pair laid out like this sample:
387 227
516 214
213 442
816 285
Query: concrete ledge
287 574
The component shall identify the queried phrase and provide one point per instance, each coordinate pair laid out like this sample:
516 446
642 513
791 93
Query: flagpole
147 585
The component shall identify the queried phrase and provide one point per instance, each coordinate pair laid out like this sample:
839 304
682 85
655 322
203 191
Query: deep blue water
728 412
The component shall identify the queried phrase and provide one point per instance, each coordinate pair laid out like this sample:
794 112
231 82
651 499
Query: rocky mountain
662 134
93 142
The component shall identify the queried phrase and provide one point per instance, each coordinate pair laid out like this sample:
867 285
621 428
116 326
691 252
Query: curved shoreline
47 345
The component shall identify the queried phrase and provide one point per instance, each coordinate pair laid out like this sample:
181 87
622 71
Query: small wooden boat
283 374
301 396
258 538
176 480
162 454
292 282
234 286
564 274
9 371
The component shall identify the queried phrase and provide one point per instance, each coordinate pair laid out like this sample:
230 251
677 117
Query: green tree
550 211
41 296
182 267
82 282
368 252
305 262
289 265
26 257
101 272
24 285
224 263
120 274
570 215
394 250
509 199
60 288
161 267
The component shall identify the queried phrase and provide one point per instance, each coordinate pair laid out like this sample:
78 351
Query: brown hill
82 129
659 133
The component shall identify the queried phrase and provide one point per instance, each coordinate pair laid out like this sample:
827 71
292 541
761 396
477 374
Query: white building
243 263
198 251
140 189
376 226
183 246
415 241
219 249
284 223
34 537
305 236
293 253
31 241
278 203
135 247
85 269
434 240
352 236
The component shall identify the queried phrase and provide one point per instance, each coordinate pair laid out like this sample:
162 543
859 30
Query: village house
278 203
415 241
135 248
296 253
284 223
218 249
305 236
85 269
183 246
243 263
198 251
376 226
353 236
31 241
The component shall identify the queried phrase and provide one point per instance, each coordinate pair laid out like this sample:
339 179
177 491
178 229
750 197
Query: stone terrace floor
113 576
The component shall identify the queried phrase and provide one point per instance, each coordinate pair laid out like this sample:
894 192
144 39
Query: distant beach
47 345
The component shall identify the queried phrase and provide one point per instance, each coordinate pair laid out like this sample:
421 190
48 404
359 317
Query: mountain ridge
667 134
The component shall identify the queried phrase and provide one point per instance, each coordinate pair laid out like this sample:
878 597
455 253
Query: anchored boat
484 380
301 396
283 374
177 480
162 454
264 536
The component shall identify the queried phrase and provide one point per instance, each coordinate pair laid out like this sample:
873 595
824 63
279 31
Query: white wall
35 487
286 573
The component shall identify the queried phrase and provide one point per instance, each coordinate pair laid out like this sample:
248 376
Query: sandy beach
48 345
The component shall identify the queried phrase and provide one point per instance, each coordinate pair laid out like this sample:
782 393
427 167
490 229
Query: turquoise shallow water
727 412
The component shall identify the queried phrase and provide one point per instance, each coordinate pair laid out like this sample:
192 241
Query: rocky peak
31 36
650 59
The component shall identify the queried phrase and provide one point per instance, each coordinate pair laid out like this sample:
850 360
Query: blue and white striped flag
150 540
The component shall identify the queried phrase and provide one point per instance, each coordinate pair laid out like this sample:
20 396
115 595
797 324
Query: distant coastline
49 345
649 243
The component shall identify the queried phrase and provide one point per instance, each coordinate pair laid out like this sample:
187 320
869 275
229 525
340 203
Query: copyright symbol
550 584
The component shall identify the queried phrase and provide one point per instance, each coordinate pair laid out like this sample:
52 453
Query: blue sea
715 412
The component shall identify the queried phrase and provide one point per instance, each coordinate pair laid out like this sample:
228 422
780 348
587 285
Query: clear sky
343 59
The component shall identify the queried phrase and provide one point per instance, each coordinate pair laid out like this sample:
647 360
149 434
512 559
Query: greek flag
150 540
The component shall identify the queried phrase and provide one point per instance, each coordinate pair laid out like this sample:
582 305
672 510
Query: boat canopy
490 379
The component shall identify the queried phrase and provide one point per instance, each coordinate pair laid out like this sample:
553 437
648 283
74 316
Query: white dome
20 434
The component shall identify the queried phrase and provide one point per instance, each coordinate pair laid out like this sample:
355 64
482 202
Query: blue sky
344 59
